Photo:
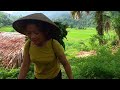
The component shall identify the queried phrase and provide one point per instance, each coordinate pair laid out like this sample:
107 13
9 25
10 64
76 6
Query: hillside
83 22
61 16
50 14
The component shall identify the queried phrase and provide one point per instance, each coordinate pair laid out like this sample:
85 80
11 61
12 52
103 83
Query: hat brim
19 25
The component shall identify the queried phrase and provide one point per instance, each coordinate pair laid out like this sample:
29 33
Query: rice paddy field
87 58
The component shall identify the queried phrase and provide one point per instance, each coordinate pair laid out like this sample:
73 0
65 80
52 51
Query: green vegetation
80 34
104 65
6 29
8 74
84 22
6 19
93 32
13 73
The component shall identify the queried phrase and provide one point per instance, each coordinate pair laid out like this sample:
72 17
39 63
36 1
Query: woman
46 53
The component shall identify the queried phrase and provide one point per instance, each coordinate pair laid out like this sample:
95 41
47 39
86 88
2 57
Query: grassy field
78 40
104 65
6 29
81 34
75 34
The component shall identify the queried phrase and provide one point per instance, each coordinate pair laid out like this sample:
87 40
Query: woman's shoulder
55 42
58 48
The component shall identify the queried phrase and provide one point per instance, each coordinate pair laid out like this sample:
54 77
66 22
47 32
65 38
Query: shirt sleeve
26 47
58 48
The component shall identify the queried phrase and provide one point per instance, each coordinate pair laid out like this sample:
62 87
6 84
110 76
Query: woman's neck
42 43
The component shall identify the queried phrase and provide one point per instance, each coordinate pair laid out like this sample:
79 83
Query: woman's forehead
32 27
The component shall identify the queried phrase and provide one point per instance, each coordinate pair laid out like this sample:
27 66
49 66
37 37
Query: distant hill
62 16
50 14
82 23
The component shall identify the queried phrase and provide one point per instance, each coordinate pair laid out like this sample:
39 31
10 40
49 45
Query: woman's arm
66 65
59 52
25 67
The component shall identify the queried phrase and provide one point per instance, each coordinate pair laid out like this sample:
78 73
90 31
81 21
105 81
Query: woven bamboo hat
36 17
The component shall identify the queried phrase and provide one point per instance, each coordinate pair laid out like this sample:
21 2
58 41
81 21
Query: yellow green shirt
46 64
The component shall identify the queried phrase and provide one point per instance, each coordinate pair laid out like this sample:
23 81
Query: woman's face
32 31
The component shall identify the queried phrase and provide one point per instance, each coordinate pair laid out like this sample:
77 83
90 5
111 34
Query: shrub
13 73
103 66
9 74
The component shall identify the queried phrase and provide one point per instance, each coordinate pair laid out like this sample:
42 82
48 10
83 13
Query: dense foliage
6 19
83 22
62 34
104 65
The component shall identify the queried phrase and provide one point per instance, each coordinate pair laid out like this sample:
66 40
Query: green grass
6 29
102 66
81 34
79 39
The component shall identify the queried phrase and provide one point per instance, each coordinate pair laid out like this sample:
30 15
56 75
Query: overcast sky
10 12
50 14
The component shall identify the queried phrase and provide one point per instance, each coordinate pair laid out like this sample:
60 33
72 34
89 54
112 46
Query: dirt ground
86 53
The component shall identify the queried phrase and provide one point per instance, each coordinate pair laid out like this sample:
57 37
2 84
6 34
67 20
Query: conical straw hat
39 17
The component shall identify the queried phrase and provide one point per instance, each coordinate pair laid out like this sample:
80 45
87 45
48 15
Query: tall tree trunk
99 28
117 30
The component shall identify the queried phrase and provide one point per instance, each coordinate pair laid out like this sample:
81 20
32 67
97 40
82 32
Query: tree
6 19
107 21
77 14
99 28
116 22
84 21
99 20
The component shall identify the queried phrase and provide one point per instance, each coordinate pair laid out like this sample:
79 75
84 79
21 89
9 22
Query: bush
103 66
109 41
79 45
13 73
9 74
30 74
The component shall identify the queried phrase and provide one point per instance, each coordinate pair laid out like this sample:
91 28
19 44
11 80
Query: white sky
50 14
10 12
